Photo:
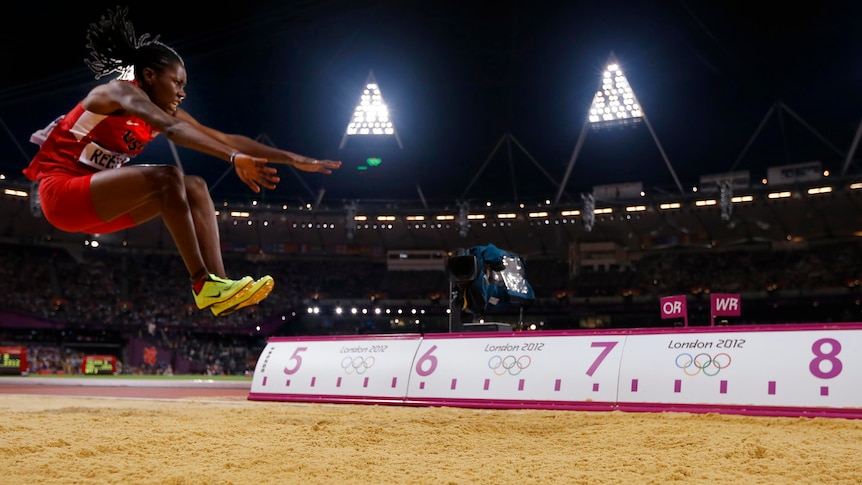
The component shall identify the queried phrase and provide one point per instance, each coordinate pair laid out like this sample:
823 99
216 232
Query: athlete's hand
310 165
255 172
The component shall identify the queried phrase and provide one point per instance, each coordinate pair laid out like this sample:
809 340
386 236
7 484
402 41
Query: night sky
460 79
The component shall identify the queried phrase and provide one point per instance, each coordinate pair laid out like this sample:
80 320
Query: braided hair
114 47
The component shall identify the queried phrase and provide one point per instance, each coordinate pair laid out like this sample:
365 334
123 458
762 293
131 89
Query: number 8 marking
834 350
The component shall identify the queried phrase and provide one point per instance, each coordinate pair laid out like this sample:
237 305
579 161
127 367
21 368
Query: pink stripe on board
824 391
722 387
595 387
677 385
264 380
770 388
287 383
394 381
338 382
313 381
521 384
634 385
365 382
557 384
453 384
422 385
487 384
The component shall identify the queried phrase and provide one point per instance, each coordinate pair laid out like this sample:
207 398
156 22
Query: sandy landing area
230 440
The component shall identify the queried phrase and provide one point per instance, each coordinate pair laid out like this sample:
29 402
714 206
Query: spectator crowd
113 295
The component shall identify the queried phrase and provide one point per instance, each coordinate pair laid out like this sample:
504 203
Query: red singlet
81 144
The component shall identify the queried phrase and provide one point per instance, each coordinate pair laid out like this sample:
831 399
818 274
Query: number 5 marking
608 347
296 358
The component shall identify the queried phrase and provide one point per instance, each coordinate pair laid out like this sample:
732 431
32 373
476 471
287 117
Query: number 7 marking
608 347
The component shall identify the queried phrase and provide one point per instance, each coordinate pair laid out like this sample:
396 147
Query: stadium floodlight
371 115
615 103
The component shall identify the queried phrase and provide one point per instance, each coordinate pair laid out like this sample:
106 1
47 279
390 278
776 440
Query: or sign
674 307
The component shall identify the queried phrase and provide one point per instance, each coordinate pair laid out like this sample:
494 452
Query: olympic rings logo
357 364
509 364
709 365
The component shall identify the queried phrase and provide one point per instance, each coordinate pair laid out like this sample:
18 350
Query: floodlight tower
614 104
371 115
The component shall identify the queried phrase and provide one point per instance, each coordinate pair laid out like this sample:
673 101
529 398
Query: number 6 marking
608 347
430 360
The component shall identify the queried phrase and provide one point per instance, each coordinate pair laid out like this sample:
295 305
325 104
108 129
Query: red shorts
68 206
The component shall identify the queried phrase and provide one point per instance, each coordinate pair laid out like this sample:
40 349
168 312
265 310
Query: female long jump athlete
84 182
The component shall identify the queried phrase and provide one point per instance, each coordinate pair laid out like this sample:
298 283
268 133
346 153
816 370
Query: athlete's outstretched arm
252 147
120 96
123 97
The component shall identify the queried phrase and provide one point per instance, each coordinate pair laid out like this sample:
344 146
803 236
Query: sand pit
230 440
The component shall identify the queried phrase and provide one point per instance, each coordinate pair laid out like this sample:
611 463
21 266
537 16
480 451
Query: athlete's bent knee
166 173
196 184
166 178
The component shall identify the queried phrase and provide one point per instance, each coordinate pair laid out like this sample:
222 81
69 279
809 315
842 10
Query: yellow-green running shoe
217 290
259 290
